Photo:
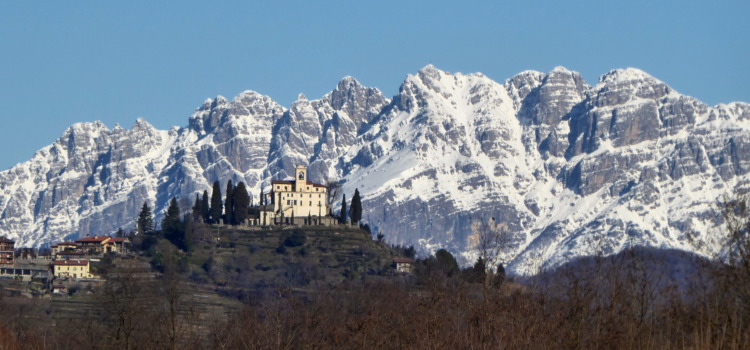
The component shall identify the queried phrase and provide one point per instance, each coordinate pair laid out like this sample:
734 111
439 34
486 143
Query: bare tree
334 189
491 240
736 249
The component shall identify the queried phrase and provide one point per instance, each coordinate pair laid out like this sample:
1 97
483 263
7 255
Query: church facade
295 201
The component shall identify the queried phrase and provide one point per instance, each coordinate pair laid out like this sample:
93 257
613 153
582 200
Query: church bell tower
300 176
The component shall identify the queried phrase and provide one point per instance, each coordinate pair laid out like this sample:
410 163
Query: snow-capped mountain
566 168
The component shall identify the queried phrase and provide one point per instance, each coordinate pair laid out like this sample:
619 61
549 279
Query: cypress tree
241 201
197 211
205 209
145 221
216 203
229 205
356 210
342 215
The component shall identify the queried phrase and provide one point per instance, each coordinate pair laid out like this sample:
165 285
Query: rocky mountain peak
522 84
560 163
621 75
142 124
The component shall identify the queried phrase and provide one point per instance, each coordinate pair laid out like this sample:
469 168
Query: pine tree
356 209
241 201
262 199
229 205
171 223
120 232
342 215
216 203
205 209
145 221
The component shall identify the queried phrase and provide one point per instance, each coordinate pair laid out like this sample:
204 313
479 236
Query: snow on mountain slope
567 168
582 170
90 174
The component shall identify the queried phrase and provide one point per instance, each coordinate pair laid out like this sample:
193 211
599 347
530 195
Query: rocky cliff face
568 169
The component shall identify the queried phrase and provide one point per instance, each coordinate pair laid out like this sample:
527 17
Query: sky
63 62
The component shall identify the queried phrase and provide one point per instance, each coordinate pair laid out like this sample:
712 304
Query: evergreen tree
499 278
262 199
229 204
205 209
171 225
241 200
342 215
216 203
186 241
197 210
120 232
478 273
356 210
145 221
446 262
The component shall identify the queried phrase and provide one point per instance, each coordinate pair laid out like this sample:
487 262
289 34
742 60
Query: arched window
301 175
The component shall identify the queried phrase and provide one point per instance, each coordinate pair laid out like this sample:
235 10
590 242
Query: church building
295 201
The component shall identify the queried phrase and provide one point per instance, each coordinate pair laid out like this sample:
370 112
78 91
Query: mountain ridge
566 167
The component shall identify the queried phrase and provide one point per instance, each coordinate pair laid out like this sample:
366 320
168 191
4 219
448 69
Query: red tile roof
4 239
66 243
90 239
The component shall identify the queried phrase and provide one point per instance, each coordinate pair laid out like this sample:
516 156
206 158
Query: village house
63 246
93 244
78 269
119 244
7 249
297 201
403 265
103 244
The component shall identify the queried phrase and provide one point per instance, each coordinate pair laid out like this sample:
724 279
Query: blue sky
67 62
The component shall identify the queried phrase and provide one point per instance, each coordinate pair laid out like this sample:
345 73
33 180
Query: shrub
295 239
281 249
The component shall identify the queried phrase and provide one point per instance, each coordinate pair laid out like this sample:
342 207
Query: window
301 175
295 202
278 187
311 203
288 202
